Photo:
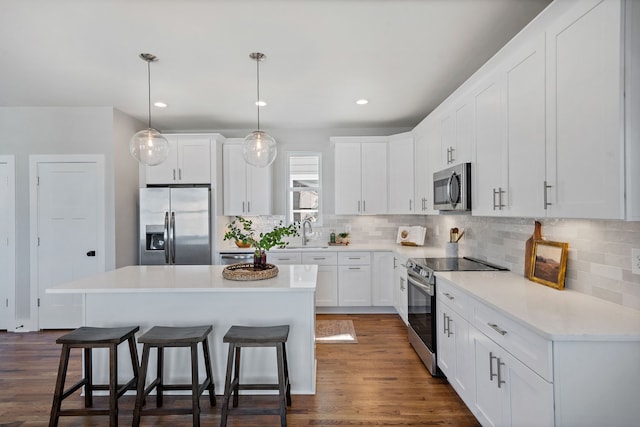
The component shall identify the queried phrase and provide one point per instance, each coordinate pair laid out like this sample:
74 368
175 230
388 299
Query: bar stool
161 337
89 338
250 336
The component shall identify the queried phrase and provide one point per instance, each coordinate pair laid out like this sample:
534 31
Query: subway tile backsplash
599 261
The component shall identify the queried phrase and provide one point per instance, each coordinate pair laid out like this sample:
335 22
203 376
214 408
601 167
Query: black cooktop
456 264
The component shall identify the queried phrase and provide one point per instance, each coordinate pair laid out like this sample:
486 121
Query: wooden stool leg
133 352
57 396
236 376
195 396
227 386
88 378
140 390
113 385
286 373
208 368
281 385
159 375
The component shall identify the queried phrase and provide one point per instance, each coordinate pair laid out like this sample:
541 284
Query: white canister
451 249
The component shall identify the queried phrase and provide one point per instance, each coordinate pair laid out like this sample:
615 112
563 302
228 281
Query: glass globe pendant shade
259 149
149 147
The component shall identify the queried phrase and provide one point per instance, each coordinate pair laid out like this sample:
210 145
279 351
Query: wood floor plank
377 382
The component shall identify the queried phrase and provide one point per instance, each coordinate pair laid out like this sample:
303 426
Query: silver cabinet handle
546 196
491 374
179 174
410 205
445 324
497 328
174 174
499 192
319 258
394 263
364 206
500 380
172 237
358 205
242 207
248 206
448 295
402 286
449 333
354 268
424 200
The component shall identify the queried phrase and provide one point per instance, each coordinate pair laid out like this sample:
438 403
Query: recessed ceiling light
362 101
160 104
261 103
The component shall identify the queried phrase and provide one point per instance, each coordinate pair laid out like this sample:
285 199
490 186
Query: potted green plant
343 238
241 230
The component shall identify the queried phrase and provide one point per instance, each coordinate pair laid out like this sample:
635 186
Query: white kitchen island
198 295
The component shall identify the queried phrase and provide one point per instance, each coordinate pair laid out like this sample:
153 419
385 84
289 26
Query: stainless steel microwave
452 188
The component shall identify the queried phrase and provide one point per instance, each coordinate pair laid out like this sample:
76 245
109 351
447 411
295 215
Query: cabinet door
424 167
465 118
488 401
374 178
327 286
489 188
194 160
347 178
401 300
447 140
525 107
234 180
382 279
354 285
445 340
584 112
258 190
167 171
401 179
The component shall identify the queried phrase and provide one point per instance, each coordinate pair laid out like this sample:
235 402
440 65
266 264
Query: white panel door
68 199
401 179
374 178
348 173
194 160
7 241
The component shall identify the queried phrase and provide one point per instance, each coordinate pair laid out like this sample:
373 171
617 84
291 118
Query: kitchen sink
307 247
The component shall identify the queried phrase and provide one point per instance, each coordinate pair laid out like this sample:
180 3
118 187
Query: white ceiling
405 56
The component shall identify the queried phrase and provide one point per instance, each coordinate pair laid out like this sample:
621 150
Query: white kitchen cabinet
327 282
247 189
401 298
584 112
401 170
354 279
382 289
508 393
360 175
426 162
456 131
189 161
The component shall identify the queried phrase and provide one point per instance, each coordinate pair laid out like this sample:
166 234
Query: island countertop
189 278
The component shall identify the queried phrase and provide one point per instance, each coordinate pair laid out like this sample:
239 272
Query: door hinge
38 302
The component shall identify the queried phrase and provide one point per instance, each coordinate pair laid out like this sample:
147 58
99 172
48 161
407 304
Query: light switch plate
635 261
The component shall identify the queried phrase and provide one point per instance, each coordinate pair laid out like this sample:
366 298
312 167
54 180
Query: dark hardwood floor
377 382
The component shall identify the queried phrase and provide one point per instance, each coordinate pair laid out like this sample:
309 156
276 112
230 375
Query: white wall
61 130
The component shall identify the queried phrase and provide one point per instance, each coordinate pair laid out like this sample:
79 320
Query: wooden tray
245 271
338 244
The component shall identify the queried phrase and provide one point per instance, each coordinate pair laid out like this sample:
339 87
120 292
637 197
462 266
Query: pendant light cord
149 87
258 88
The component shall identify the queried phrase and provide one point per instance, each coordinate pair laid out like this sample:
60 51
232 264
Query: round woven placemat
245 271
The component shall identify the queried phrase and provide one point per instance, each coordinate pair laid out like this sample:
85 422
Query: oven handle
426 288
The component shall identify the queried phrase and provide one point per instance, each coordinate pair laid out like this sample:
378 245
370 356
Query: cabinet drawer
453 297
285 258
354 258
320 258
527 346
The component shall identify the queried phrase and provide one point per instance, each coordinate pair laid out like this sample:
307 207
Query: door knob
91 253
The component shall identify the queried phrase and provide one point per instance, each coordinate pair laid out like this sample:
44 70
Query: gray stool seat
256 336
89 338
161 337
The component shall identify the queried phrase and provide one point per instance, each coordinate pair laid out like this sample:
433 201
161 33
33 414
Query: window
304 185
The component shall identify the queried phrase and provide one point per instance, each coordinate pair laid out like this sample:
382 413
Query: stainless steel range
422 301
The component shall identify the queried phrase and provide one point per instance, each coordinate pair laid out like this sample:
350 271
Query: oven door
422 311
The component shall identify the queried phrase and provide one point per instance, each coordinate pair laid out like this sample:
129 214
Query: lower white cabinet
382 289
327 282
507 393
401 297
354 279
455 356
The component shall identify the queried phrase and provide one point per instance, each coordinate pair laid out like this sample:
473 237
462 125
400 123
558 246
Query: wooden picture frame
549 263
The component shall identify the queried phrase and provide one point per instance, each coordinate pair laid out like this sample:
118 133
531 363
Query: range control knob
410 264
424 273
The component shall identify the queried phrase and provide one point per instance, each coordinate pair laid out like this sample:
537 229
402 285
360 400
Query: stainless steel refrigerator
175 225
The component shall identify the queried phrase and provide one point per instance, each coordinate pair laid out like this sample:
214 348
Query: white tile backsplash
599 261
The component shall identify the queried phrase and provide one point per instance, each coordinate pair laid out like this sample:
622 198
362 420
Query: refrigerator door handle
166 237
173 237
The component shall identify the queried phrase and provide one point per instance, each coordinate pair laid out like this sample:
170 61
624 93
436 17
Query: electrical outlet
635 261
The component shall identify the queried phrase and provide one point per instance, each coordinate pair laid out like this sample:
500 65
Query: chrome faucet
305 240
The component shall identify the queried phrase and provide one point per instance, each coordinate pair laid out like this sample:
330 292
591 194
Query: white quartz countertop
407 251
189 278
559 315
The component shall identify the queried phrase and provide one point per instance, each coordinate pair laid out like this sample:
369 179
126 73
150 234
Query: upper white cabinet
247 189
189 161
360 175
585 98
401 170
425 160
456 131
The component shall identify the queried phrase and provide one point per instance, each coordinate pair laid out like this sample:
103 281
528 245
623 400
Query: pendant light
148 146
259 148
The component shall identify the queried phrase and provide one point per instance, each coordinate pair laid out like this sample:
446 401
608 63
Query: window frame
289 189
